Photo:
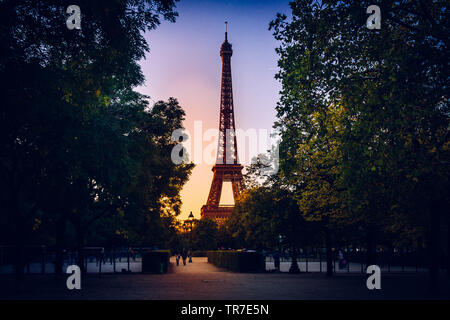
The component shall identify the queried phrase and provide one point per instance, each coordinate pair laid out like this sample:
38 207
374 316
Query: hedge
199 253
156 261
237 261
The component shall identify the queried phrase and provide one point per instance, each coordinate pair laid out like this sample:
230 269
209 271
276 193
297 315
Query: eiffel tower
227 167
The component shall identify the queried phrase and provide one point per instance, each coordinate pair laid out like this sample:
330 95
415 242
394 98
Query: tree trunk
80 251
448 244
434 247
19 255
60 231
370 242
328 245
294 265
19 263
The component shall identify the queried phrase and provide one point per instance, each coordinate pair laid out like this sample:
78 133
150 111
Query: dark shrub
199 253
237 261
155 261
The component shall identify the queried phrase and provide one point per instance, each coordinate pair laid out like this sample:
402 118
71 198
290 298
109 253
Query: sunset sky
184 63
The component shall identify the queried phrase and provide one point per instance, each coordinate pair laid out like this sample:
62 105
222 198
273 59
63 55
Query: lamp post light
190 221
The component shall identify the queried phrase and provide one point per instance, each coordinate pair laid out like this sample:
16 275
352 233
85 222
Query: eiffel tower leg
216 190
237 187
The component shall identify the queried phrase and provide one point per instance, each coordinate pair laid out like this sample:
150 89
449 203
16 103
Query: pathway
201 280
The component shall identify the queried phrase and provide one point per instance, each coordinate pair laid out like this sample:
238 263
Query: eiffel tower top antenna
226 33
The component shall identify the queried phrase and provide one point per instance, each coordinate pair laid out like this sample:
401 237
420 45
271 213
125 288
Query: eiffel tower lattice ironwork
227 167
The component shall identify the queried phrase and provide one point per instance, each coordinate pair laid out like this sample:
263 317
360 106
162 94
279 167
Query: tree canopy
364 115
82 151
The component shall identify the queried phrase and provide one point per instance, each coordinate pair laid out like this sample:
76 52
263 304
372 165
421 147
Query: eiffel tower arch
227 167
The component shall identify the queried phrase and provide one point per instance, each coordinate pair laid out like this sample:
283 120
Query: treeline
364 117
84 159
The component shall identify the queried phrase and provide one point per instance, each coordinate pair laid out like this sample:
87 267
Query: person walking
342 262
132 254
177 257
102 255
184 256
276 261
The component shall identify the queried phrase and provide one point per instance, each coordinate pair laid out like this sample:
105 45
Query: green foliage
84 157
262 215
364 113
204 235
364 117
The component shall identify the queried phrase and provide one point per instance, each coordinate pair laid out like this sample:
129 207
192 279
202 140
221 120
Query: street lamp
191 220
